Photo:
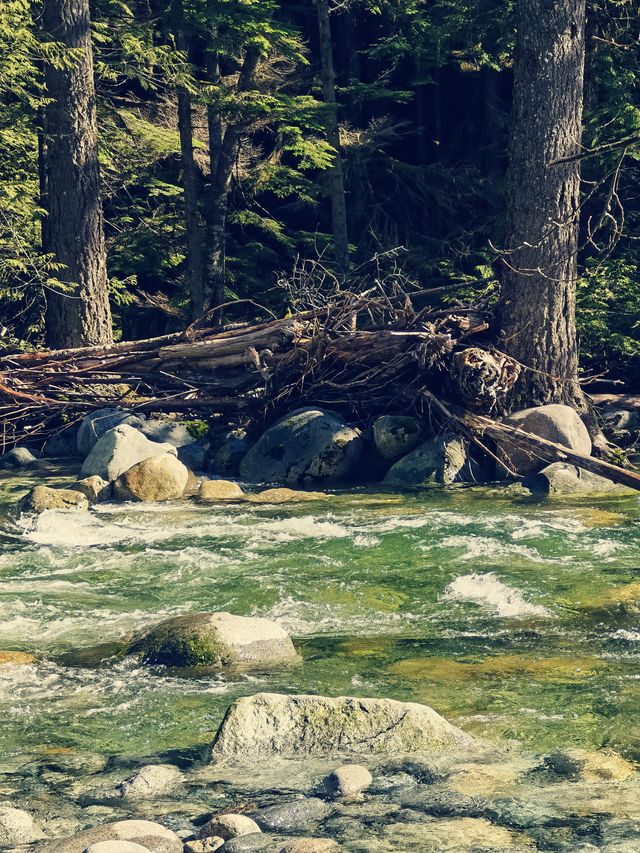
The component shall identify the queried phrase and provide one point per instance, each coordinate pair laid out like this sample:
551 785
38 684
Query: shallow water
497 611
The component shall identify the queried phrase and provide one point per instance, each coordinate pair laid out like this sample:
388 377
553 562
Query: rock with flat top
42 498
159 478
216 491
555 422
284 496
290 726
145 833
214 639
120 449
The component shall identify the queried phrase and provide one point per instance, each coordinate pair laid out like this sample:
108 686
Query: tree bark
537 306
74 229
336 172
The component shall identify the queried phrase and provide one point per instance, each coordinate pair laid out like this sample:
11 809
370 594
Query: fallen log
479 426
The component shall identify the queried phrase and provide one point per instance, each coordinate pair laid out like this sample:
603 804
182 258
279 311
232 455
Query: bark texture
537 309
336 172
74 228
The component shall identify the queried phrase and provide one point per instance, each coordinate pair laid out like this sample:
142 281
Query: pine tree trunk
336 172
74 229
537 306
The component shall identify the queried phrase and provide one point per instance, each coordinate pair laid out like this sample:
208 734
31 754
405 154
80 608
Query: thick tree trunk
74 228
537 307
336 172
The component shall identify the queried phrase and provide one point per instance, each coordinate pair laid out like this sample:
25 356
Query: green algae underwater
515 618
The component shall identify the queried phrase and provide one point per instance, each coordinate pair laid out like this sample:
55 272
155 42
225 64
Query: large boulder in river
97 423
217 491
397 435
291 726
555 422
561 479
439 460
214 639
227 458
308 445
17 828
149 835
158 478
41 498
170 431
120 449
17 457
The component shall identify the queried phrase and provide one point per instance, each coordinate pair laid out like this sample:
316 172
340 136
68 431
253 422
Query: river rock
215 491
204 845
17 457
151 781
16 659
284 496
311 845
168 431
227 826
290 726
97 423
561 478
308 445
95 489
149 835
456 835
63 443
229 455
17 827
120 449
439 460
195 455
295 816
249 843
159 478
397 435
41 498
348 780
214 639
557 423
116 847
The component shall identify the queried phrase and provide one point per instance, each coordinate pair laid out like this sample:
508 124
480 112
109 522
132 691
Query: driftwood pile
360 355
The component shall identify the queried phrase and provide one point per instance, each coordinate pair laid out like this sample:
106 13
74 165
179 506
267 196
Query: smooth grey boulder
439 460
97 423
214 639
555 422
120 449
17 827
149 835
164 430
154 780
41 498
295 816
158 478
227 458
290 726
63 443
17 457
397 435
95 489
308 445
195 455
562 479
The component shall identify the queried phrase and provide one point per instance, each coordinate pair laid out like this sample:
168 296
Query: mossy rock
397 435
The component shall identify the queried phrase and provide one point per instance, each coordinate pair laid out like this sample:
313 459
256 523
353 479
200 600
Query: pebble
295 816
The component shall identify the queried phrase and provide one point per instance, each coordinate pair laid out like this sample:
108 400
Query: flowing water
516 619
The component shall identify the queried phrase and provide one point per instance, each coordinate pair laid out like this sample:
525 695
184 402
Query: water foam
487 591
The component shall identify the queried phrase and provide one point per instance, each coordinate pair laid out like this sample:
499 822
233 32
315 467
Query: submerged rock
214 491
95 489
309 445
149 835
159 478
214 639
41 498
561 479
310 845
397 435
17 827
120 449
439 460
17 457
275 724
295 816
151 781
282 496
96 424
457 835
557 423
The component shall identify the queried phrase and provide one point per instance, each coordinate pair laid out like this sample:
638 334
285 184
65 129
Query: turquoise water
515 619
